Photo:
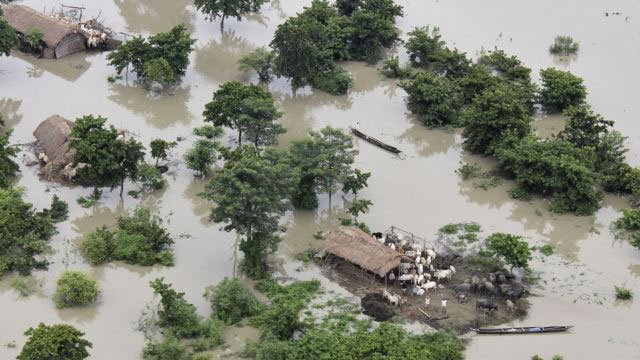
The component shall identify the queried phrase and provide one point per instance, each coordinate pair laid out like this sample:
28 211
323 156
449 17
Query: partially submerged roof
360 248
23 18
53 136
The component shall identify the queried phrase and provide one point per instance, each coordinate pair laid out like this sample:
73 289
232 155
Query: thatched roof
23 18
360 248
53 137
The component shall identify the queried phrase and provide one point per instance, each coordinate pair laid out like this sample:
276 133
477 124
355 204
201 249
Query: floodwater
420 192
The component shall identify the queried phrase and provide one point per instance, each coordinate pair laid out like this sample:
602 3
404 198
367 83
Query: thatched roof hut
360 248
53 139
60 39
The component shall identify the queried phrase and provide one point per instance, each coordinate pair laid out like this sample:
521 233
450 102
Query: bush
149 178
231 301
509 67
560 89
335 82
201 156
391 68
75 288
261 61
26 286
59 209
630 220
468 171
176 314
512 248
435 99
424 46
564 45
54 342
169 348
24 233
546 250
623 293
98 246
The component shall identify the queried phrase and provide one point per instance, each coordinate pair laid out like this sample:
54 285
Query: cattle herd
423 270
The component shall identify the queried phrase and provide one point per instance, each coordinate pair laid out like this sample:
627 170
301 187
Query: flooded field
421 192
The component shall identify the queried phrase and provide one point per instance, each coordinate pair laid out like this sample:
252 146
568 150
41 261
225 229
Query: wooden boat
523 330
375 141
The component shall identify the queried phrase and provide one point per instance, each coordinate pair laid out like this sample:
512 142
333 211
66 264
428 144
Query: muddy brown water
420 192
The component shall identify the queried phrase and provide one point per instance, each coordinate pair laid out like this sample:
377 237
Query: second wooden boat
375 141
523 330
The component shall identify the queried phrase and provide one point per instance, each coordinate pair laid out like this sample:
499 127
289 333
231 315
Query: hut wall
70 44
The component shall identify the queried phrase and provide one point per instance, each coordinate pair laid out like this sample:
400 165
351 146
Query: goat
453 270
431 253
420 269
429 285
406 277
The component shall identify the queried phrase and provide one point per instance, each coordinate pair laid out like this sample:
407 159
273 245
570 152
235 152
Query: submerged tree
261 61
109 159
204 152
560 89
336 157
251 194
160 149
435 99
8 167
248 109
512 248
356 181
222 9
55 342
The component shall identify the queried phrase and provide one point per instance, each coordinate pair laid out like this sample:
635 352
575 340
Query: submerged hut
360 248
53 139
60 39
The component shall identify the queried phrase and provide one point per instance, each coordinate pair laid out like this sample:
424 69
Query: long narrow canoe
375 141
523 330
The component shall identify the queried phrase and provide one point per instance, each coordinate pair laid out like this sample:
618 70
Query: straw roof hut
60 39
360 248
53 138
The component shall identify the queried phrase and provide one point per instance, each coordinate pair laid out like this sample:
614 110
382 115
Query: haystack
360 248
53 139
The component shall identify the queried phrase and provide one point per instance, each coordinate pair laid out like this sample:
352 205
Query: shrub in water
75 288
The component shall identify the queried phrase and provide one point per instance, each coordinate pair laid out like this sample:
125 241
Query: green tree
231 301
512 248
424 46
160 149
8 167
369 34
24 233
435 99
302 50
75 288
244 108
584 128
8 37
201 156
110 160
356 181
158 70
304 155
98 246
553 167
261 61
55 342
222 9
494 115
251 194
158 54
59 210
560 89
510 67
336 156
175 312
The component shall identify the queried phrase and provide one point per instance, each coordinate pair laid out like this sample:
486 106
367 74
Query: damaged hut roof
358 247
23 18
53 137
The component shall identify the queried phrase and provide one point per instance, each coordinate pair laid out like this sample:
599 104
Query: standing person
443 304
357 124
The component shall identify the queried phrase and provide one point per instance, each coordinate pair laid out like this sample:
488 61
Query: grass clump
139 239
622 293
564 45
546 249
231 301
26 286
468 171
75 288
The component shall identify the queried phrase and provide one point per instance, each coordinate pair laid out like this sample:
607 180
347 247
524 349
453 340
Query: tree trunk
222 23
239 137
157 159
121 186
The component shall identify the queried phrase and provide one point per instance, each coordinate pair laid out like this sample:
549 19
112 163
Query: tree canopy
160 149
560 89
261 61
496 114
512 248
24 233
8 167
55 342
222 9
435 99
75 288
204 152
162 57
251 193
110 160
8 37
246 108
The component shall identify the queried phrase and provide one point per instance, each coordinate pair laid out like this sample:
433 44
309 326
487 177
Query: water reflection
9 110
200 206
427 142
218 59
564 61
69 68
155 16
159 110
